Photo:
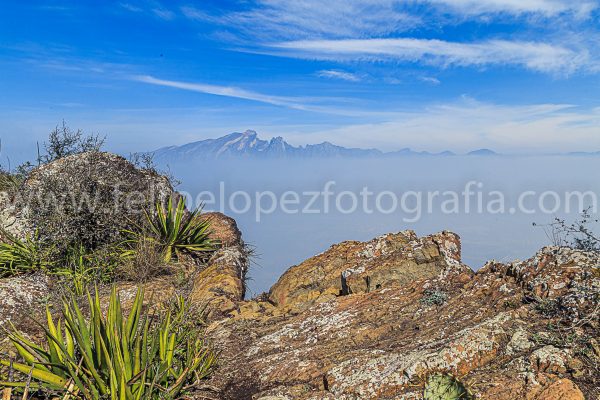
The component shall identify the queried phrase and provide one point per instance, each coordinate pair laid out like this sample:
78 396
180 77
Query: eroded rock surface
355 267
523 330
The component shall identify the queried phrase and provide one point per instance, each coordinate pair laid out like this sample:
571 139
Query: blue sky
518 76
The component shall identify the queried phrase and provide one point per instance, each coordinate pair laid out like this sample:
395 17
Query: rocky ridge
524 330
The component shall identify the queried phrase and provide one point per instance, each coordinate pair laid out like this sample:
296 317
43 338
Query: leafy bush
176 231
134 357
21 256
9 182
441 386
78 267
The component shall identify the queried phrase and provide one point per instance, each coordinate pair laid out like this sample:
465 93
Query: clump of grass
143 262
434 297
9 182
444 386
176 231
111 355
80 268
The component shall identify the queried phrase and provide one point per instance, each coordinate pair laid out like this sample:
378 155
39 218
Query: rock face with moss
525 330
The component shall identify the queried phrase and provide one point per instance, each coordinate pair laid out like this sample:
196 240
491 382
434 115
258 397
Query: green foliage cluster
22 256
80 269
168 233
434 297
109 355
175 231
442 386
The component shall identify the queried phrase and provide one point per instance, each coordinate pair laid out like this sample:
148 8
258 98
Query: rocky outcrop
355 267
523 330
220 285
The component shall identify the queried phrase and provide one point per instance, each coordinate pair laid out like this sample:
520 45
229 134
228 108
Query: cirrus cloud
536 56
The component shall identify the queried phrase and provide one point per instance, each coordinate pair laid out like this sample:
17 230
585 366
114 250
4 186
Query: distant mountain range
248 144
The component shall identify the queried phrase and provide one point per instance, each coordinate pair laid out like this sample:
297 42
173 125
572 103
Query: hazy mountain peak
482 152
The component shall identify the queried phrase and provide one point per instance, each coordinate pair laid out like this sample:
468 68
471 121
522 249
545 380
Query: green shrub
21 256
176 231
113 356
440 386
81 268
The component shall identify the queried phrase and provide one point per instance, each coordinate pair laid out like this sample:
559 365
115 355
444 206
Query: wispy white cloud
548 8
555 37
310 19
228 91
285 19
163 13
335 74
152 7
130 7
340 106
467 124
535 56
430 79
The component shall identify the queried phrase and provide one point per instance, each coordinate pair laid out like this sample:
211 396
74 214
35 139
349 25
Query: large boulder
85 198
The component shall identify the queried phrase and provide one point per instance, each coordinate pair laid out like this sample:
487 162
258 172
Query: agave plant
176 230
443 386
20 256
112 356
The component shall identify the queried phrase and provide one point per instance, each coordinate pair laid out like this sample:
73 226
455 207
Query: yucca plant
141 356
20 256
176 230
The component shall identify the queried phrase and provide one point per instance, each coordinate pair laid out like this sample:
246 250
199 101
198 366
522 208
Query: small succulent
444 386
434 297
